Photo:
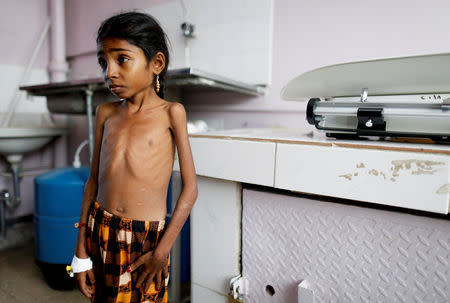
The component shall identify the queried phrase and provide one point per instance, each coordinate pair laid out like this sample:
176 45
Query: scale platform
395 97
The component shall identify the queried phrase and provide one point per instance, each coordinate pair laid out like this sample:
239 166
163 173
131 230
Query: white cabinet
347 253
233 38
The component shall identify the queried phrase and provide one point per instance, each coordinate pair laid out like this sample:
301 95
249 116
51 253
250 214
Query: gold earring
158 85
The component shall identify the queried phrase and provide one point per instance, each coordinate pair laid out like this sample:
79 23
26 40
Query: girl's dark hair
141 30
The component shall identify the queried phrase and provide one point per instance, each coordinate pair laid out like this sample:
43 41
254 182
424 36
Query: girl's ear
158 63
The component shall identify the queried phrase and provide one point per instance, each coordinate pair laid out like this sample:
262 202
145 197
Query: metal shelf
189 79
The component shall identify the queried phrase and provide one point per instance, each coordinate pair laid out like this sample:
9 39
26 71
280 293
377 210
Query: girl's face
125 68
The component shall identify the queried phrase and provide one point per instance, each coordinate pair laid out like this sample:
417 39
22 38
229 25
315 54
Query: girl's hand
154 268
85 281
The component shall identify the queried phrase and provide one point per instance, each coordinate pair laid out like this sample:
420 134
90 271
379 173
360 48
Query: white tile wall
9 82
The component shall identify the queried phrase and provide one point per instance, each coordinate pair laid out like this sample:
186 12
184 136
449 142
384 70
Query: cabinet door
345 253
233 38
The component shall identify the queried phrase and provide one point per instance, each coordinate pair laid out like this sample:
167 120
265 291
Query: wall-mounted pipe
58 66
14 202
6 200
89 92
4 194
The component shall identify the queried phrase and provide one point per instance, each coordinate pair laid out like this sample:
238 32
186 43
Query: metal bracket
305 293
364 94
446 104
188 29
238 287
370 119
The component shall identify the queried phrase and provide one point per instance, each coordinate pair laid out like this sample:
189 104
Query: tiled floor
21 280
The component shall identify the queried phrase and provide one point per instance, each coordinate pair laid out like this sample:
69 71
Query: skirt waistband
119 222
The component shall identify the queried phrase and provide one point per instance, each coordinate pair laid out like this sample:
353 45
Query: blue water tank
58 197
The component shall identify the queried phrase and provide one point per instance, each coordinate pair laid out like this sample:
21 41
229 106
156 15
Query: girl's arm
90 194
158 259
188 193
90 189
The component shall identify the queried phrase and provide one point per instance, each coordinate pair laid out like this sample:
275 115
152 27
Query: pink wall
83 17
306 35
21 24
312 34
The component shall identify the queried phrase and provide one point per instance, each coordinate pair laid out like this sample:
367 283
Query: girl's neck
147 98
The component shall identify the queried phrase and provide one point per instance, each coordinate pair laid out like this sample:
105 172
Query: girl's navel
120 209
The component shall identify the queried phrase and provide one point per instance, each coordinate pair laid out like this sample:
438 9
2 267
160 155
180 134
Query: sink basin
27 132
21 140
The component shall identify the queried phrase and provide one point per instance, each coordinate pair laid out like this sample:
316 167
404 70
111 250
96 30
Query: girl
122 230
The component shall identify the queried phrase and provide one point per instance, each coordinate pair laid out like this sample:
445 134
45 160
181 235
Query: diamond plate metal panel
346 253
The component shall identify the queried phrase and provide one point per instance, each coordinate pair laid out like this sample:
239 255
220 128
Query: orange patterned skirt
113 243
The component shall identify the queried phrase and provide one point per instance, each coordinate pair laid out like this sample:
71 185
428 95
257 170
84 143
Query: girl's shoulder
106 109
108 106
175 108
176 113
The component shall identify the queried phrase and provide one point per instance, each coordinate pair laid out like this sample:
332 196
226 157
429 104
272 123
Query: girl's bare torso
136 161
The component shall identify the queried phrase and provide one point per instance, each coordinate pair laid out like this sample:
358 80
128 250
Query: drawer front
235 160
404 179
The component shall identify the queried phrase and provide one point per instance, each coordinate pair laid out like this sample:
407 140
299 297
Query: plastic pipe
76 160
89 92
14 160
4 195
58 66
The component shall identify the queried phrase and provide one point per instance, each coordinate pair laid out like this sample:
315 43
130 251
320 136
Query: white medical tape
80 265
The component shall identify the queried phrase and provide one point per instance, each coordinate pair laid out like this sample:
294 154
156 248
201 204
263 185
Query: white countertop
314 137
408 175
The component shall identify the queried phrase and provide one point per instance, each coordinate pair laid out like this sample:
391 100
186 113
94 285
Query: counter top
313 137
408 175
